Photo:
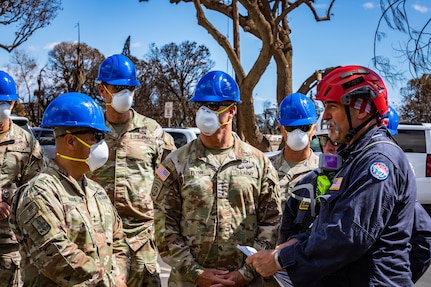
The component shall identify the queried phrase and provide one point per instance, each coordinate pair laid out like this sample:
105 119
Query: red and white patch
379 170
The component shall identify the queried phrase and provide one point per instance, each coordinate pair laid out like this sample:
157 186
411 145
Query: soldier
137 145
21 159
68 230
214 193
297 124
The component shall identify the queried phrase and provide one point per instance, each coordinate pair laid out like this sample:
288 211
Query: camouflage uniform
288 175
127 177
69 233
21 158
204 209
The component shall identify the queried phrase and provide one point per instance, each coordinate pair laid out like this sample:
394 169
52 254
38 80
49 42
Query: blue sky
105 25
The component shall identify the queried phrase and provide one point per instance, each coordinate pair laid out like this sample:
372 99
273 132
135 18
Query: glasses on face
120 88
98 135
305 128
215 106
323 140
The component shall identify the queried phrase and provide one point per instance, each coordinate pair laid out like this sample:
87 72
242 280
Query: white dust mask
5 110
122 101
297 140
207 120
98 156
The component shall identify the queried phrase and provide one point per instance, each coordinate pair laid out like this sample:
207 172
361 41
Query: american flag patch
162 172
336 183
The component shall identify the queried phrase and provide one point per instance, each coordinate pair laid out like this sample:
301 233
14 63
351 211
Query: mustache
331 123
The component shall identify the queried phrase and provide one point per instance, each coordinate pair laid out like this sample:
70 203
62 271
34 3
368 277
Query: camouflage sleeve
269 209
269 216
35 163
120 248
42 236
167 216
169 144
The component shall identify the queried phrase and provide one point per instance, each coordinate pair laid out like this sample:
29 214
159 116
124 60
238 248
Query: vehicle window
179 138
46 138
411 140
315 145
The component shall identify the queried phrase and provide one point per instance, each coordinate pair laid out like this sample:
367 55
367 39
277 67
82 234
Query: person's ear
362 115
69 141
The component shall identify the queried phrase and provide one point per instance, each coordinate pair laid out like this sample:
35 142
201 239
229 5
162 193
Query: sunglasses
323 140
215 106
98 135
120 88
305 128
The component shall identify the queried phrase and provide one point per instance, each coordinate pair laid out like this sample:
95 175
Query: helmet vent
355 72
352 83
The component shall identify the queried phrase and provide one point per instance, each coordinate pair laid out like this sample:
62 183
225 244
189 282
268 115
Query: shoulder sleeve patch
41 225
162 172
379 170
29 212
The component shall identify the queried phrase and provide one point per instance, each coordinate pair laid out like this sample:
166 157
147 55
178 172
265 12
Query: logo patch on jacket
336 183
162 172
379 170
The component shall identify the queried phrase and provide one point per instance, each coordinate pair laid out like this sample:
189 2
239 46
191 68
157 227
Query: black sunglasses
215 106
305 128
98 135
120 88
323 140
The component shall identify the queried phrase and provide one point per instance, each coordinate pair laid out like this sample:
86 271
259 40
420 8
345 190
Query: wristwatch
5 194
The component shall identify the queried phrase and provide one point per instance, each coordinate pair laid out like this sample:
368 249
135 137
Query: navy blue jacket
361 236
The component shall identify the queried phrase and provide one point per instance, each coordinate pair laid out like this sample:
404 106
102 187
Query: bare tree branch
27 16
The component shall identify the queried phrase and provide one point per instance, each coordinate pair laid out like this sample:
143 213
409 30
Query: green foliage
417 100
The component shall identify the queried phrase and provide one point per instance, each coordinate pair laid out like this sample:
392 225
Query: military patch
42 227
29 212
336 183
162 172
379 170
304 205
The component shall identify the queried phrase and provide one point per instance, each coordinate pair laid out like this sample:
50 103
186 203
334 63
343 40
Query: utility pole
79 73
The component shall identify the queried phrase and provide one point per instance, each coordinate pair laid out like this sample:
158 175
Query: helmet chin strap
353 131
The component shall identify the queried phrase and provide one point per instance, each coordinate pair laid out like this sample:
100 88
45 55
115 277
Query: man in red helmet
361 236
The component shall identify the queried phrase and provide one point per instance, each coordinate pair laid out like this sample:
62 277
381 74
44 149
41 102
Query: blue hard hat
118 70
393 121
74 110
216 86
7 88
297 110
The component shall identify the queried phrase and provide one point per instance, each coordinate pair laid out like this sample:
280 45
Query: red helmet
347 83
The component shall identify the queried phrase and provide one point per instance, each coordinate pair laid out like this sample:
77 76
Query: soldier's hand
4 210
263 262
214 277
234 276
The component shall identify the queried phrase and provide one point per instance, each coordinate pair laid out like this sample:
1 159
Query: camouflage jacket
129 173
21 158
288 175
204 209
68 235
